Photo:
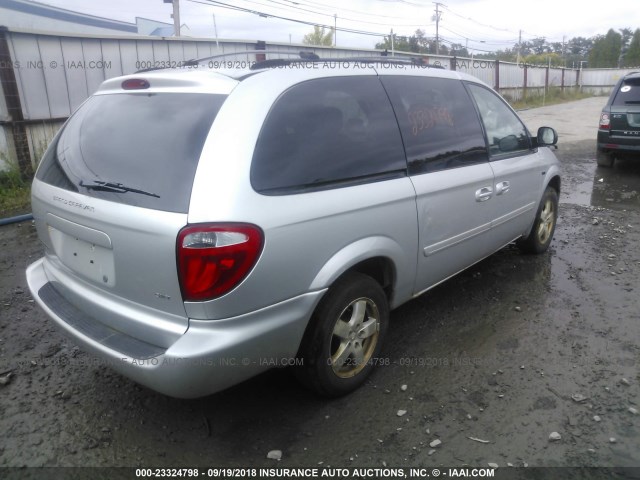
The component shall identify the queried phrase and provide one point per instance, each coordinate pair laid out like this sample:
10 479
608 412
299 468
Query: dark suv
619 129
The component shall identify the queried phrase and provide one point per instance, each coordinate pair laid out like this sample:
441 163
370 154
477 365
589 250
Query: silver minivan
202 227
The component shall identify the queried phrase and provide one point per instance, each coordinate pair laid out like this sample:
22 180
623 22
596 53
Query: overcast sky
479 24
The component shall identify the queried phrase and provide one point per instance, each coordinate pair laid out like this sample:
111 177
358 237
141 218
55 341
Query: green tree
577 50
606 49
632 58
459 50
627 34
580 46
544 59
400 43
616 48
319 37
537 46
416 43
507 55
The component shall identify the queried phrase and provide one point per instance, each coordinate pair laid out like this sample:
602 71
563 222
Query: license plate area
87 259
633 119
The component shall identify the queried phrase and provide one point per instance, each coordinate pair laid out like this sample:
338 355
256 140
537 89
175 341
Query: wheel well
555 184
380 269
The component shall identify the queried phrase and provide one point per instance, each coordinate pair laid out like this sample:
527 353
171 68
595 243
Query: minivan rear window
139 149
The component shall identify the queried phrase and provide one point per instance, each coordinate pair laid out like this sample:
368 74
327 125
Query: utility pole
519 47
436 17
335 28
393 53
215 30
176 17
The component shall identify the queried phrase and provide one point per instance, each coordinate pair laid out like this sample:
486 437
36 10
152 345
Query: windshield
139 149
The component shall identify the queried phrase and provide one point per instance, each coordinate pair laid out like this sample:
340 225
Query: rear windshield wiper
114 187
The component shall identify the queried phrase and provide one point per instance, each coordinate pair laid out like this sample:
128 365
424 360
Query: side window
505 132
439 124
327 132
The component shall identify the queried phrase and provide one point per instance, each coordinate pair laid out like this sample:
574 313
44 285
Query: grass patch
15 193
553 96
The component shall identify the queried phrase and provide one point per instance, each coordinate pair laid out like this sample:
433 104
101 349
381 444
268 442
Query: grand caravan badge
71 203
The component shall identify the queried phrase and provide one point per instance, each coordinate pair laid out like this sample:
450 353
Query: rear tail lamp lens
214 259
604 120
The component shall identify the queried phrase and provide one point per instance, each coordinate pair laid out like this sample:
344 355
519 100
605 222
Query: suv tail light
214 258
604 121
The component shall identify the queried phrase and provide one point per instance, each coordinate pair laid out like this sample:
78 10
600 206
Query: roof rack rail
193 62
300 54
303 57
280 62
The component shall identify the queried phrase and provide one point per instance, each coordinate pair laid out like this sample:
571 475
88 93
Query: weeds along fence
44 77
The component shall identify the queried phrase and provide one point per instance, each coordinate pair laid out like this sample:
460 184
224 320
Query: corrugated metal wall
56 73
7 150
485 70
603 77
600 81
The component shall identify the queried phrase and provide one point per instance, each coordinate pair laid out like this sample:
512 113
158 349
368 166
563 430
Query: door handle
484 194
502 187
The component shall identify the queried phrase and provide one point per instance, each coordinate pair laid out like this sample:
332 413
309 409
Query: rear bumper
615 143
210 356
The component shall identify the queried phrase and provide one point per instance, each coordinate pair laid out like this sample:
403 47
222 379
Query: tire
604 159
344 337
544 225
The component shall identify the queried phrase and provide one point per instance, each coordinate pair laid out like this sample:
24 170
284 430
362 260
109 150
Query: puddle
616 188
579 194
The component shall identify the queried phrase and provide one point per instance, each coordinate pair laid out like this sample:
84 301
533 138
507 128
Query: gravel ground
522 360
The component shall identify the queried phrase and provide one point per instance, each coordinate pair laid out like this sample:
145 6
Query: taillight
214 258
604 120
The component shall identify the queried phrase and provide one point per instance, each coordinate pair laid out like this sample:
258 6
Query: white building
31 15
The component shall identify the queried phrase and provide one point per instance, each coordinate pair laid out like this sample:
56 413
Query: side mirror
547 137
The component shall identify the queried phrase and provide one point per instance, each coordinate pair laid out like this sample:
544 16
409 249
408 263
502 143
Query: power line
269 15
332 9
451 43
501 42
287 7
475 21
493 27
405 2
266 14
